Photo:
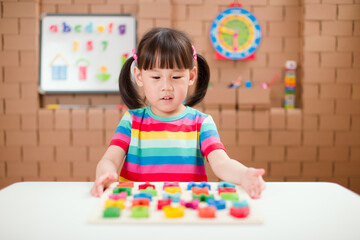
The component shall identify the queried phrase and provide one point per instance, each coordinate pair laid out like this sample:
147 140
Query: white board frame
74 57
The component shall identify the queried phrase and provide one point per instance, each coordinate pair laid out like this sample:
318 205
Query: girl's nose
167 86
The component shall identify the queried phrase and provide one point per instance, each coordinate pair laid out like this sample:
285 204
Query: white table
60 210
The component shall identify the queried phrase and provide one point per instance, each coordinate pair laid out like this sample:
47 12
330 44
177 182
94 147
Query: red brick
293 13
272 154
253 138
22 169
313 106
261 119
96 153
203 12
29 26
343 181
349 169
84 169
285 169
335 91
20 9
293 119
179 12
219 95
311 59
9 90
21 106
2 171
348 44
355 154
336 28
228 137
9 25
336 60
292 45
21 138
285 138
228 119
277 118
320 12
310 91
355 184
71 8
239 153
319 43
20 42
9 153
301 153
349 12
334 154
355 91
301 179
347 107
46 119
71 153
334 122
38 154
311 28
29 122
272 44
9 122
62 119
54 169
245 119
283 29
319 75
29 58
319 138
54 138
2 138
88 138
154 10
9 58
355 123
347 138
317 169
272 13
348 75
29 90
96 119
79 119
108 8
112 118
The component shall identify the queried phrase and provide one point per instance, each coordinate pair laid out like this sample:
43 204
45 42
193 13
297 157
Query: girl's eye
155 77
177 77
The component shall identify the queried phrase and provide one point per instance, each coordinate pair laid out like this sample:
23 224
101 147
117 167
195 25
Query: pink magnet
170 184
194 204
118 196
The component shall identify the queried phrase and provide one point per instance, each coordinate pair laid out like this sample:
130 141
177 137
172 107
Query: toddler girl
168 140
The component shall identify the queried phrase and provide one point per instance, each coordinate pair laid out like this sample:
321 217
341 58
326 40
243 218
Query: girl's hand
103 182
253 183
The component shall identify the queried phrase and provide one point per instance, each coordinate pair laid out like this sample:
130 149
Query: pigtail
201 83
127 88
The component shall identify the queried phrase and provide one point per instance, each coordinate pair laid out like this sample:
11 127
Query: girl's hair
163 48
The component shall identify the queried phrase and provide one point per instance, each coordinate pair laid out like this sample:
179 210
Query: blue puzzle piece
226 184
240 204
143 195
219 204
200 185
175 197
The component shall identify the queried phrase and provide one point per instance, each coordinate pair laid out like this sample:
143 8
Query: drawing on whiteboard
59 66
103 76
82 65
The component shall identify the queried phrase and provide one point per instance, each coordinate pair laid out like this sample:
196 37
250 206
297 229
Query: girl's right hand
103 182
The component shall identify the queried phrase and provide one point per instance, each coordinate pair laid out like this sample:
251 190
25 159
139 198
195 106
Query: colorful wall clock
235 33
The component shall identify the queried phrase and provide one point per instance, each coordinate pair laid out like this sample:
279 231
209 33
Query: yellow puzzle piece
115 203
173 212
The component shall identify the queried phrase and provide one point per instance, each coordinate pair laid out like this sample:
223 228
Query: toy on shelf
290 84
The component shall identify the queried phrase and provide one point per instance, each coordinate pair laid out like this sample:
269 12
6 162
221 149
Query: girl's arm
107 169
233 171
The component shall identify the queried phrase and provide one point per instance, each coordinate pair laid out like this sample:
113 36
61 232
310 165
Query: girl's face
165 89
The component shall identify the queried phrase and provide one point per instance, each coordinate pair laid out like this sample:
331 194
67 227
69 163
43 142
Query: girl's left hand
253 183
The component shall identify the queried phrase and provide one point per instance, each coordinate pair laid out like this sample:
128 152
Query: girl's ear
193 74
138 79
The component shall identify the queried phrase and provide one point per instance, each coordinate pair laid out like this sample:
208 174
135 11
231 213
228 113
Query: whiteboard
84 53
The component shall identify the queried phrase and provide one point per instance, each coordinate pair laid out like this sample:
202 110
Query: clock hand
226 30
235 40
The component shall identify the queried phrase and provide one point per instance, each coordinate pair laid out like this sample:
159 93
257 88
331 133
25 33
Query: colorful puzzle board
191 216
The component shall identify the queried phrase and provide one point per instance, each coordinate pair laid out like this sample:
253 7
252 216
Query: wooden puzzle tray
190 215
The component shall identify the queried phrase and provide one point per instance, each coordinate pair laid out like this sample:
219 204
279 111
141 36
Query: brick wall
319 141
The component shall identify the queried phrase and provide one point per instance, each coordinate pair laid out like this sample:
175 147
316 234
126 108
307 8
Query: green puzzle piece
112 212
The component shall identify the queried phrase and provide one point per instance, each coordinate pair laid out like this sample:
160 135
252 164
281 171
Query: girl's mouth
166 99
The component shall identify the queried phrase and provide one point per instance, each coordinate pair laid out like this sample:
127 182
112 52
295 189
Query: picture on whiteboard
84 53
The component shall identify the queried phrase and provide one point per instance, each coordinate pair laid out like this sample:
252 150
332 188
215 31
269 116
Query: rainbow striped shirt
165 148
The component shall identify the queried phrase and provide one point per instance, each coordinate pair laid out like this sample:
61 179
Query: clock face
235 33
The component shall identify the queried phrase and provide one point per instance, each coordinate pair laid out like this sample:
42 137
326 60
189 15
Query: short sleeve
209 137
122 134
